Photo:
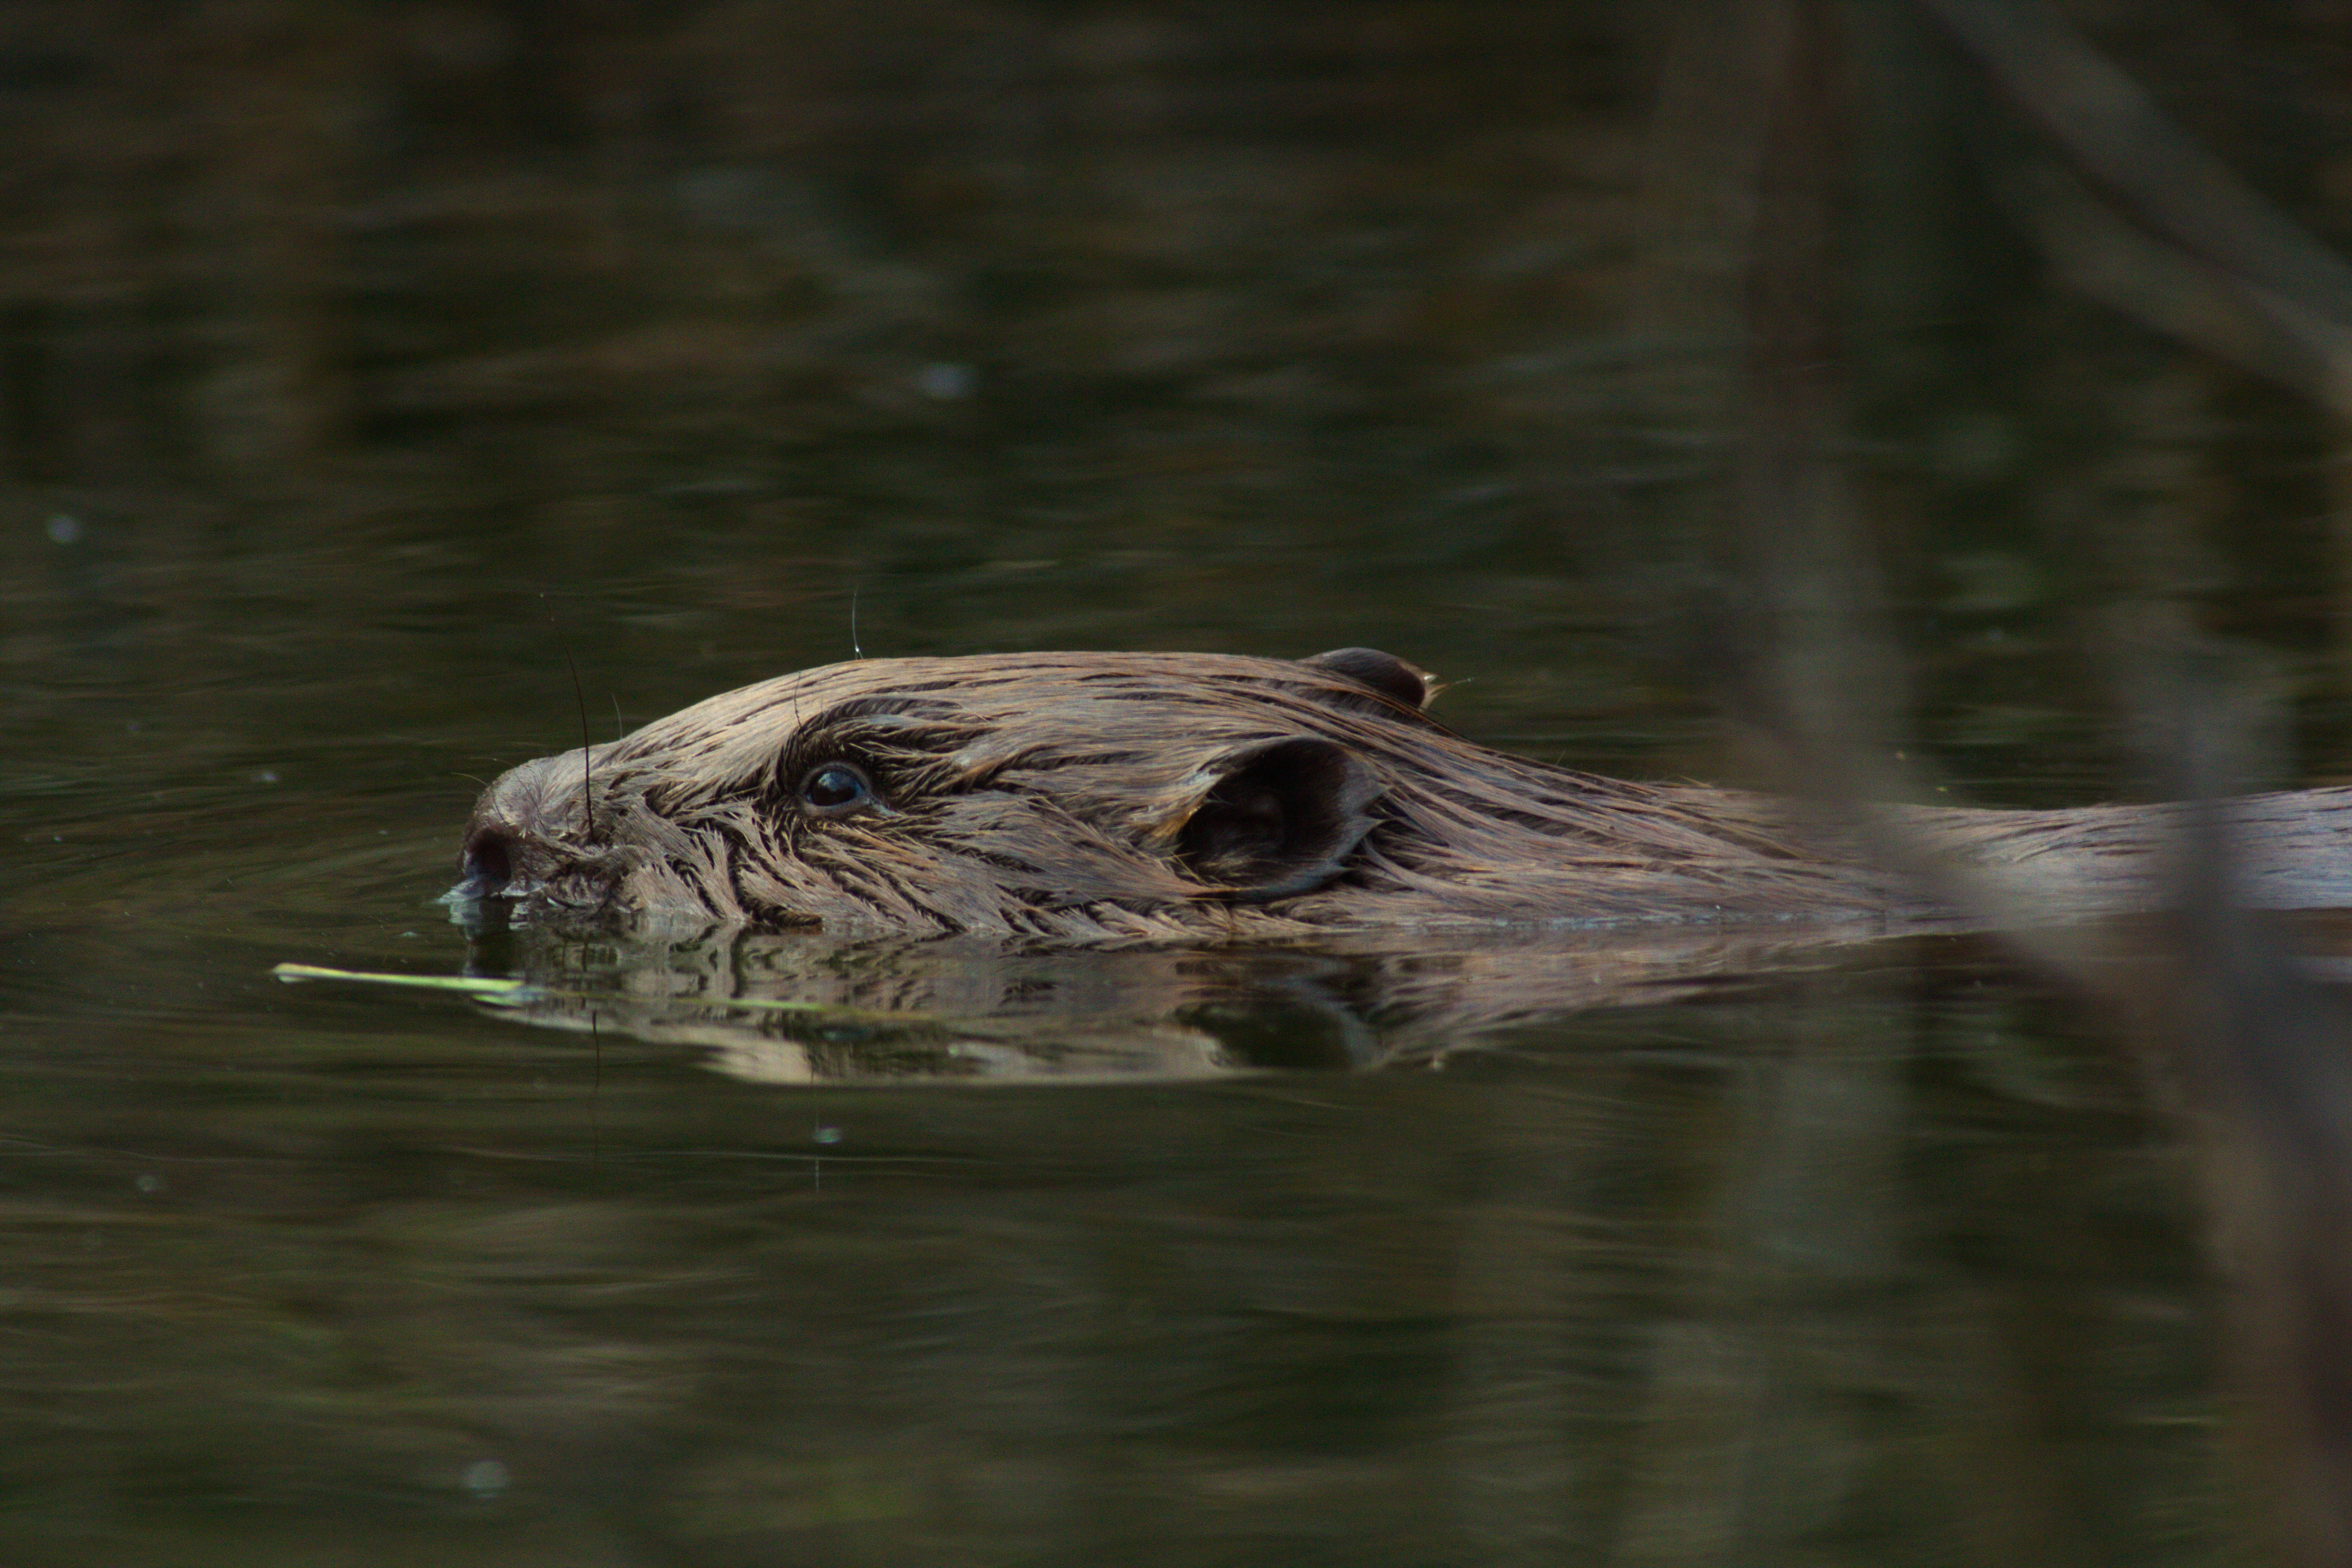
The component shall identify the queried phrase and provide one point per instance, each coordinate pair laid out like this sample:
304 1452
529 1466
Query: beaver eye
833 788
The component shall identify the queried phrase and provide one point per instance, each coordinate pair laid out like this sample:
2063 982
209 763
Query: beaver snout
521 839
487 863
503 860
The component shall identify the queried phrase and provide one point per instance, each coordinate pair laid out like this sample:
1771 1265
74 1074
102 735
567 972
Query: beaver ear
1282 820
1383 672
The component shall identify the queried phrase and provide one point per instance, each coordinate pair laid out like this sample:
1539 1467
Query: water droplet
945 381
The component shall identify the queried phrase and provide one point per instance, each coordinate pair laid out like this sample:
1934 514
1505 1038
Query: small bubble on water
150 1182
63 529
485 1477
265 775
945 381
827 1135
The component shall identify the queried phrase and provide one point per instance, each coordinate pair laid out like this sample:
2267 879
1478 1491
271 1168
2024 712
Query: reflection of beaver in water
1104 797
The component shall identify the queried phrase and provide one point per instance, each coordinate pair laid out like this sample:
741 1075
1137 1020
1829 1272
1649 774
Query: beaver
1097 797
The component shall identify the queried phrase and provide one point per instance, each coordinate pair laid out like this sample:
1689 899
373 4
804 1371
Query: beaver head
1101 797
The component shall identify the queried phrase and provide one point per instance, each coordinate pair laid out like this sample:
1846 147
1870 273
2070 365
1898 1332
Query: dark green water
362 376
1842 1265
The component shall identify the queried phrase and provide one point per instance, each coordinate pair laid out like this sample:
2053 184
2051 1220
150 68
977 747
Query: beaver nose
489 864
508 847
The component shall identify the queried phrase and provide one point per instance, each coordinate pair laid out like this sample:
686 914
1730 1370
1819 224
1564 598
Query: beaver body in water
1097 797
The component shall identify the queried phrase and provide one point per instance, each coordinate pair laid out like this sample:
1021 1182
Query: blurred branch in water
1737 1437
2179 291
2156 226
2149 221
2134 214
2262 1048
1808 572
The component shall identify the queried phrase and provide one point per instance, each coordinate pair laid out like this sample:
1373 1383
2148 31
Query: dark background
1236 327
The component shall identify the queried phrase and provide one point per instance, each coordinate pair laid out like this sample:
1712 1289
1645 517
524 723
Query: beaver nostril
490 862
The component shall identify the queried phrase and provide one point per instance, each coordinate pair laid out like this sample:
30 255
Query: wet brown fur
1096 796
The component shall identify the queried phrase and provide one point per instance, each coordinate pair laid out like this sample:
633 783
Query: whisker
579 695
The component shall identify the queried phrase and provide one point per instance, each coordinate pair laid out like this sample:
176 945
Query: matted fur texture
1103 796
